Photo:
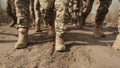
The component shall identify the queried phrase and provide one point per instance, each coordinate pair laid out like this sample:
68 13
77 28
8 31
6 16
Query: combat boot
22 38
51 31
116 44
59 44
98 31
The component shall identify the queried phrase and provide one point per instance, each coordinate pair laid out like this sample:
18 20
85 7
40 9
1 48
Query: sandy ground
83 50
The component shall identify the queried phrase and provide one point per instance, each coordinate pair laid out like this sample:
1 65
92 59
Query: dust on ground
83 50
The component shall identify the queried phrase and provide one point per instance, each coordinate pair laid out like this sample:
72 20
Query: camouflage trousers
38 15
102 11
10 9
32 13
22 13
55 13
85 10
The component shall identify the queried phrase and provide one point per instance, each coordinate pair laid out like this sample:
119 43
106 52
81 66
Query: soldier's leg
70 11
101 13
62 17
74 18
80 18
23 14
86 12
38 18
8 8
75 9
116 44
14 22
48 13
32 13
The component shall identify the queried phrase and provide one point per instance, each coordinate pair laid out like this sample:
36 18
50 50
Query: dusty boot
101 32
12 24
59 45
38 28
51 31
98 31
22 38
116 44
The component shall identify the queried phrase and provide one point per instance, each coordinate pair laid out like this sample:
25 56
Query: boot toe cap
60 48
20 45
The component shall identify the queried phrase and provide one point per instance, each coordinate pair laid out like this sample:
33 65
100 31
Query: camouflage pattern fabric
55 13
75 5
87 7
102 11
37 11
22 13
85 11
74 9
32 13
62 16
49 8
10 9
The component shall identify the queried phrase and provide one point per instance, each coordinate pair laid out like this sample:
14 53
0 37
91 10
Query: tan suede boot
98 31
116 44
59 44
101 31
51 31
22 38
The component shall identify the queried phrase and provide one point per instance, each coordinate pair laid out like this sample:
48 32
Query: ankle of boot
23 30
59 41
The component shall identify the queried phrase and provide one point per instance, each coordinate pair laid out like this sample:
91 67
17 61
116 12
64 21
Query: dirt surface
83 50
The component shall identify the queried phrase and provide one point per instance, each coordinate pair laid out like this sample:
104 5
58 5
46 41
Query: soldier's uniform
32 13
74 8
23 22
101 13
116 44
38 15
47 7
10 9
85 11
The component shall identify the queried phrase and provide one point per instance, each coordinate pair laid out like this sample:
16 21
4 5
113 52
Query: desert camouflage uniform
10 9
38 17
48 9
100 16
37 11
74 8
22 13
102 11
32 13
85 11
